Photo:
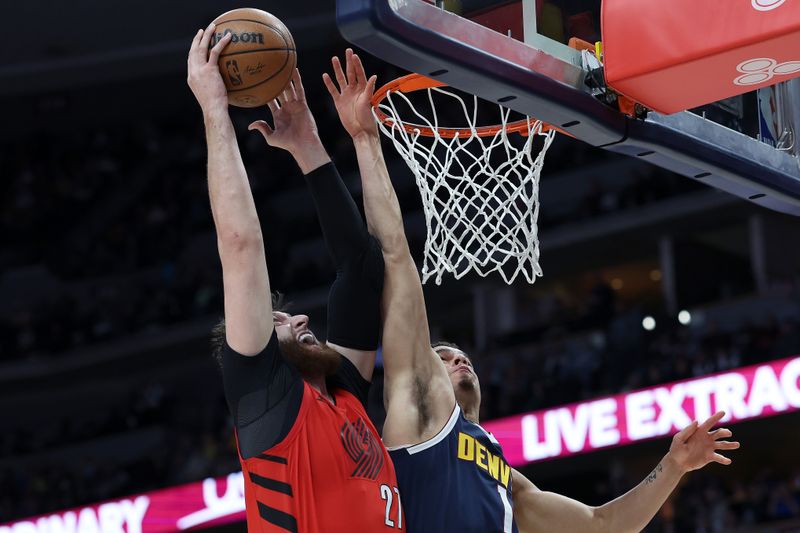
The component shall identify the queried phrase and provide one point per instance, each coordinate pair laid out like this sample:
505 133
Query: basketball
260 58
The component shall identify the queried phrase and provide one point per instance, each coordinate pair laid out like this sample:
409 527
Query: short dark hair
279 303
445 344
451 346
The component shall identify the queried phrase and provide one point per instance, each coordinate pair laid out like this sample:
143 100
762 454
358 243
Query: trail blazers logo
363 448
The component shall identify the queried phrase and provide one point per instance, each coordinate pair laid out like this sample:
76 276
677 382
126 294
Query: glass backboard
516 53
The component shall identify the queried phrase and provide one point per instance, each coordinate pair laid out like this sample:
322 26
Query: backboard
516 53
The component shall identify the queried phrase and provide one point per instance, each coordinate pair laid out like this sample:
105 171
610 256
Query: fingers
189 62
196 40
339 73
721 433
721 459
358 69
202 48
712 421
326 79
298 85
686 433
213 56
193 57
274 106
352 79
289 94
726 445
262 127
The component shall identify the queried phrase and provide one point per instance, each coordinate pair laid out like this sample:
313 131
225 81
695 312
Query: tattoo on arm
654 474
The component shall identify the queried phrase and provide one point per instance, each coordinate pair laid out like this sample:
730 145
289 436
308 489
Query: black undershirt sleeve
354 315
350 379
264 393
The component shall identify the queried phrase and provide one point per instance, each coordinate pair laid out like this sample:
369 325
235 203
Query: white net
480 195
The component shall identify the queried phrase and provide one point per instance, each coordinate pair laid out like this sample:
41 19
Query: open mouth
307 338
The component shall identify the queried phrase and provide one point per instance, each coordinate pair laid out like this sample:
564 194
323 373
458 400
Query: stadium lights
649 323
685 317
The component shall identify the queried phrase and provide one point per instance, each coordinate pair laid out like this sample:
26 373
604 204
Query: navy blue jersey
456 481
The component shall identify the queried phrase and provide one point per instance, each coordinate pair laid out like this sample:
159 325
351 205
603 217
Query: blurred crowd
167 439
116 218
706 504
122 258
563 367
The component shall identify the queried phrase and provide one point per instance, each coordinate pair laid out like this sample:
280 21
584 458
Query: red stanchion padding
676 55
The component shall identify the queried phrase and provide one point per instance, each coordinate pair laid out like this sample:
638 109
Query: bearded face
300 347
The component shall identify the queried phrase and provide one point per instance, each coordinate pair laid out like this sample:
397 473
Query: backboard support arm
421 38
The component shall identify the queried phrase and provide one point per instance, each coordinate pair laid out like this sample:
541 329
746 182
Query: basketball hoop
480 193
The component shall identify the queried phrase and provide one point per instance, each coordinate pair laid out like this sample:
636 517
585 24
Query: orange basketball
260 58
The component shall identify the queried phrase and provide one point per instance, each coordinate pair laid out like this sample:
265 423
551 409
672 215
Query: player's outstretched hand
203 73
697 445
352 96
294 127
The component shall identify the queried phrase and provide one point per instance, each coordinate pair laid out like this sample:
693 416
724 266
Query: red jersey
330 473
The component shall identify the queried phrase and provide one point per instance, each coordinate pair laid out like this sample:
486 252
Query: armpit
421 397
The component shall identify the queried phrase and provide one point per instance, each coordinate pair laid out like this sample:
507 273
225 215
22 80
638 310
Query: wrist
673 465
215 112
310 155
367 138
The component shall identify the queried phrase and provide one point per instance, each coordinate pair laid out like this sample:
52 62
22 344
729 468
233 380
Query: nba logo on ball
233 72
766 5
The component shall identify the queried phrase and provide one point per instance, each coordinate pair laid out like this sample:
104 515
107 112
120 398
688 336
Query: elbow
604 521
601 520
235 240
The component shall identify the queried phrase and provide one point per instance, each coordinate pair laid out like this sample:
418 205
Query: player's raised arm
354 299
692 448
248 306
419 396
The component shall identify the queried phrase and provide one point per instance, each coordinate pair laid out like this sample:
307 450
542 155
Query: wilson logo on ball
763 69
241 37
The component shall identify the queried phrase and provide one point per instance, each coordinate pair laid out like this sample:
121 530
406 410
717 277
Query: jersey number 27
388 494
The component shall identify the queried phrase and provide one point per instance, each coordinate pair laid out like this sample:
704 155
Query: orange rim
417 82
